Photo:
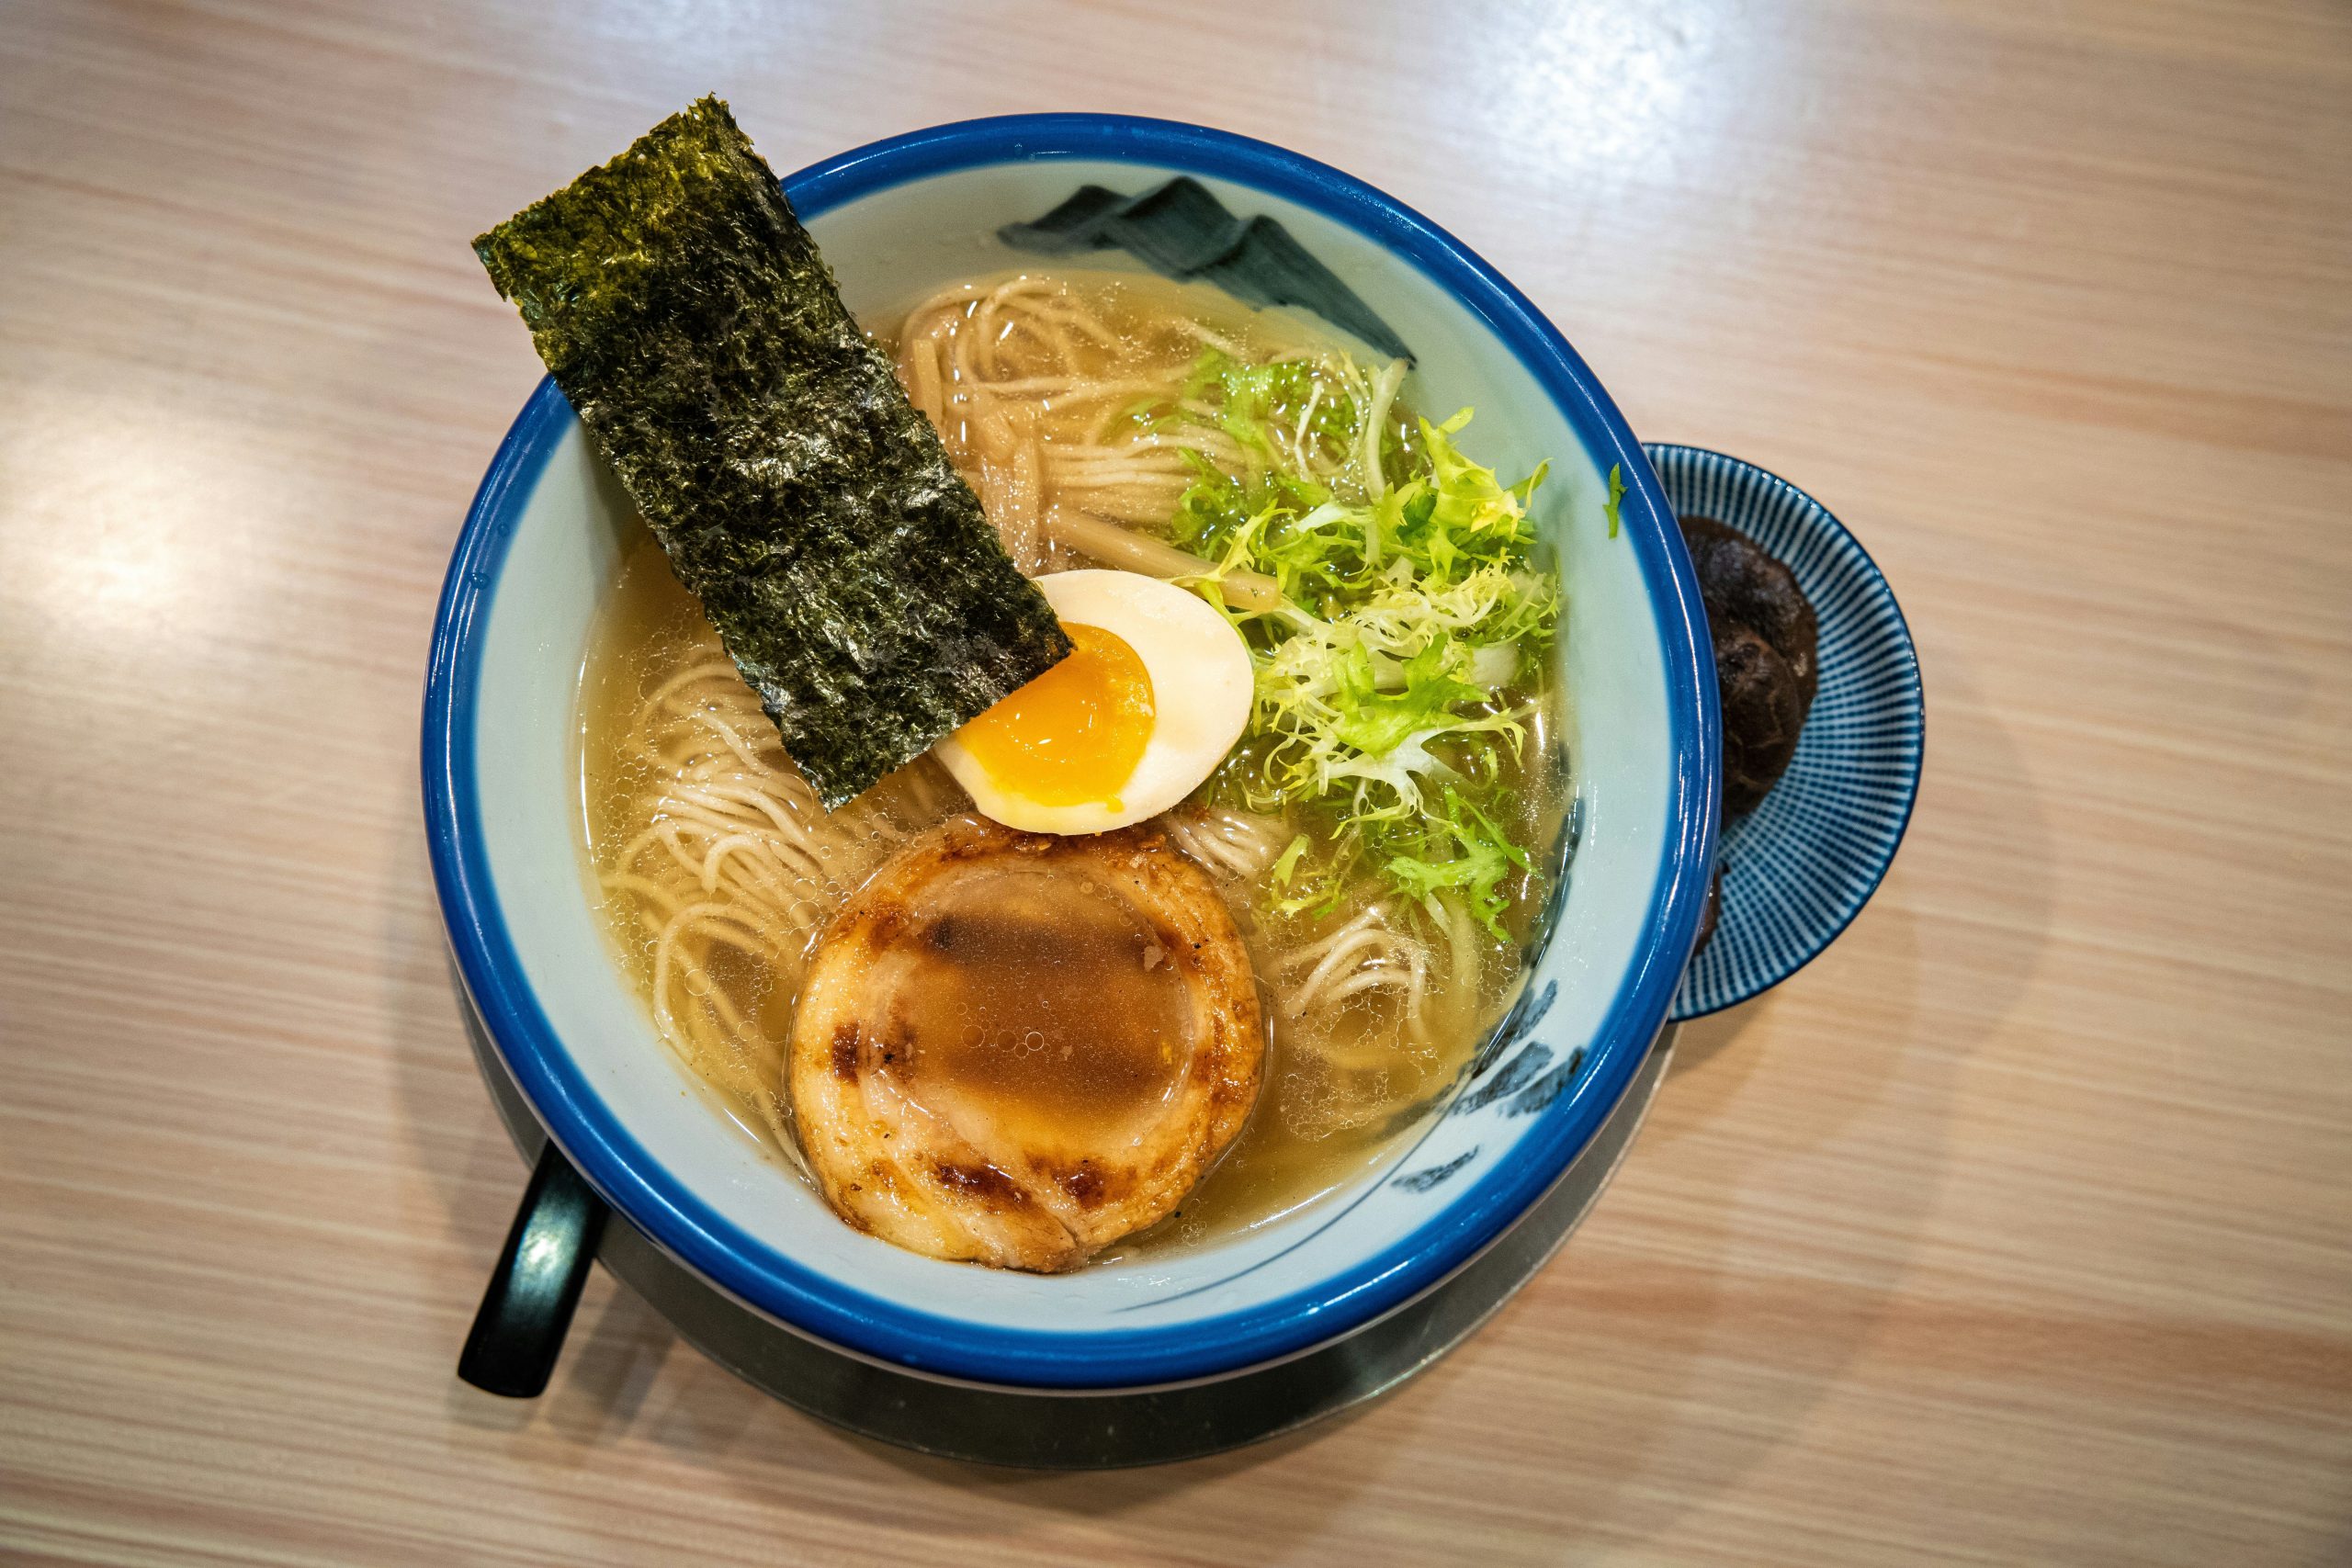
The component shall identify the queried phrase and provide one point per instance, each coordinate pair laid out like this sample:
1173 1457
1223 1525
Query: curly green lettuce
1414 616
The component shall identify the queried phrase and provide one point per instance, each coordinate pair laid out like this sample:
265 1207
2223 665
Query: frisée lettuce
1392 677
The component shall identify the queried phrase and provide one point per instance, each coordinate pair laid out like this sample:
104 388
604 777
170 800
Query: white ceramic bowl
503 804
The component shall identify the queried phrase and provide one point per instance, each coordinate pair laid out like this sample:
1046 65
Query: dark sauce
1034 1000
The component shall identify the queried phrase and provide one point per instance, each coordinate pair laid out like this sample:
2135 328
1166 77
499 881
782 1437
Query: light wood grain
2013 1231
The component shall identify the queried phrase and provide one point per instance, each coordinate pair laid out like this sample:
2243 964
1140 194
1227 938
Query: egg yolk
1074 734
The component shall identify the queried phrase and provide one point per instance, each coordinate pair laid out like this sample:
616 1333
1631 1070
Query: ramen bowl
540 548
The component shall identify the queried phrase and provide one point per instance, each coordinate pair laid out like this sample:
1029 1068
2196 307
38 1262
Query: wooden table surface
2016 1229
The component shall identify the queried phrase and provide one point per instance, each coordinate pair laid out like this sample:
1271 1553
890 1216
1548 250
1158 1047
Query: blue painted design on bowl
1429 1177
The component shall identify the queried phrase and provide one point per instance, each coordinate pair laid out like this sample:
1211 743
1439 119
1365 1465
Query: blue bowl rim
1819 944
774 1284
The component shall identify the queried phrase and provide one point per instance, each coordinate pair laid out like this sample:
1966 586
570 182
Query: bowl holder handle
519 1329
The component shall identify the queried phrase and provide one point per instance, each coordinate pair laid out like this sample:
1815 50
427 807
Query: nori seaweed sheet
686 315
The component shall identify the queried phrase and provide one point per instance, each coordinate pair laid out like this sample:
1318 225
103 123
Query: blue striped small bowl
1800 867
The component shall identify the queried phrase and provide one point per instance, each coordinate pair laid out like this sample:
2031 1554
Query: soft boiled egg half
1156 694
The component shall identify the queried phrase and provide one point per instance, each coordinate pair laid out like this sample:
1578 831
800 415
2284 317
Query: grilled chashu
1016 1048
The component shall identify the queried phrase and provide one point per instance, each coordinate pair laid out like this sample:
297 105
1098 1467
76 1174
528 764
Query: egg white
1201 682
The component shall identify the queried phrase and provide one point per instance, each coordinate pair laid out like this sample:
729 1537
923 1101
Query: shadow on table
1676 1400
627 1378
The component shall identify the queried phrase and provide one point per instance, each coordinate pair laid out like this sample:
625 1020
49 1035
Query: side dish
1767 641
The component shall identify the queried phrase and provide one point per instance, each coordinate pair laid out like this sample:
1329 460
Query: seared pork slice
1016 1048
